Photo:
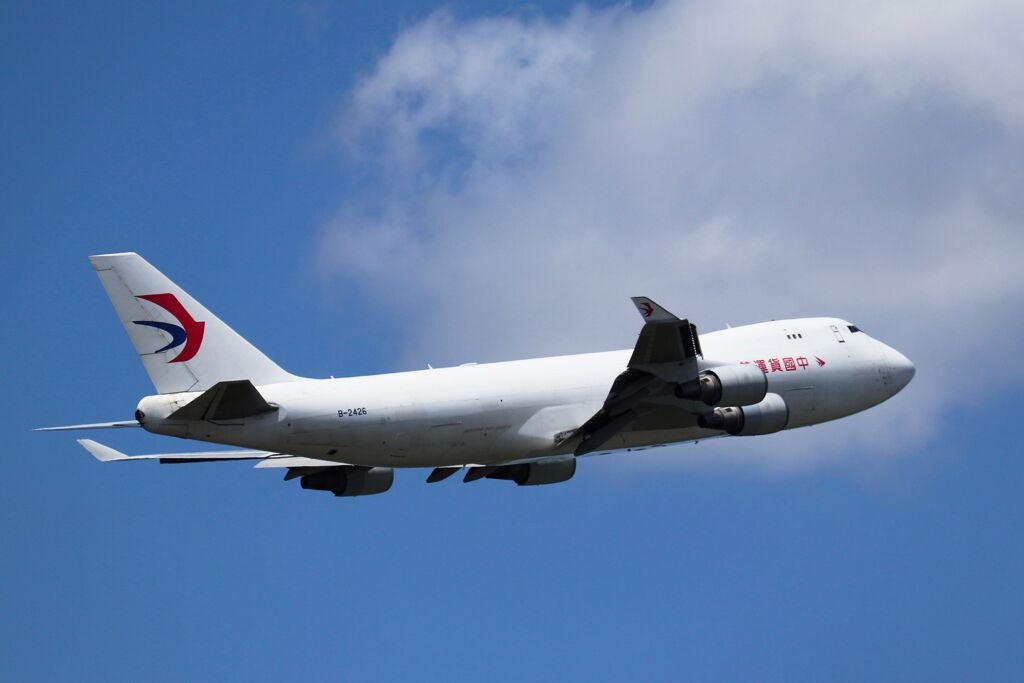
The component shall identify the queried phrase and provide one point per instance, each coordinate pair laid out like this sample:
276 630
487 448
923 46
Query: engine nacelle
350 481
537 473
729 385
767 417
550 472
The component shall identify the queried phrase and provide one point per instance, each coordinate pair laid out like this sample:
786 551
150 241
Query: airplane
526 421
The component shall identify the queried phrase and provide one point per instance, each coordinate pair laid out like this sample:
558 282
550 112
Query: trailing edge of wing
296 461
94 425
108 454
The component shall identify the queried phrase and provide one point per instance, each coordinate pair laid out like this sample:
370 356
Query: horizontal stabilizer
223 402
108 454
94 425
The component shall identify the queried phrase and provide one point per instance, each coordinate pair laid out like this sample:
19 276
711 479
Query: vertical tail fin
182 345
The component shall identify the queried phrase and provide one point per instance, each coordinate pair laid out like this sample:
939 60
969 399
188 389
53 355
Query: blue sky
362 188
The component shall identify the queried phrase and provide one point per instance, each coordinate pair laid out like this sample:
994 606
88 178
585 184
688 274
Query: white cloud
737 161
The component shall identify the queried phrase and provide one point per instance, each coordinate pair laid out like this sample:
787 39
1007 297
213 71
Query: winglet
101 452
652 312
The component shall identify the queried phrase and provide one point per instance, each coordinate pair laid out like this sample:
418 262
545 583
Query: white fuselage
513 411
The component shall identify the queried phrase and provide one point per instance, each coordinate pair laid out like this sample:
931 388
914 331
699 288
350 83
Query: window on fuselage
853 328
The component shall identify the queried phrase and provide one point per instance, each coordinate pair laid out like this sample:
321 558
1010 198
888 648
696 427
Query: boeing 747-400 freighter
527 421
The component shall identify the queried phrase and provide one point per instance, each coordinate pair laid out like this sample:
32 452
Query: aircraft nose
901 367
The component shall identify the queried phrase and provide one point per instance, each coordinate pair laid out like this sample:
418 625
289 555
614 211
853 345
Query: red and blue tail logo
189 333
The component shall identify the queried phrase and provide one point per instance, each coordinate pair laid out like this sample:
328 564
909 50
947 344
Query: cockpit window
853 328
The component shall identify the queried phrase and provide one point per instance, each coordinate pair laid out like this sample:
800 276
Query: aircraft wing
108 454
297 466
266 458
668 347
665 355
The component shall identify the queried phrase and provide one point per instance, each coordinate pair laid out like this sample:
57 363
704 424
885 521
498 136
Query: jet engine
729 385
766 417
536 473
350 481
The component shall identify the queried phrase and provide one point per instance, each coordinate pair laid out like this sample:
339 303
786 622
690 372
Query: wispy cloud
738 161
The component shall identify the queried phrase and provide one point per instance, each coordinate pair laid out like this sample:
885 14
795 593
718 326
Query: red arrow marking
193 328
